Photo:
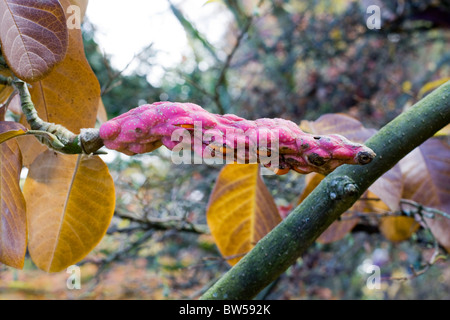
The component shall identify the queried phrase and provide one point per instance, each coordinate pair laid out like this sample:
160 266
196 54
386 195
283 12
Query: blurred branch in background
148 223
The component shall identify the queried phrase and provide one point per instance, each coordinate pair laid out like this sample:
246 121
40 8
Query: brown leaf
13 230
426 174
338 229
70 203
341 124
11 129
389 188
5 91
63 98
70 95
30 148
241 210
33 36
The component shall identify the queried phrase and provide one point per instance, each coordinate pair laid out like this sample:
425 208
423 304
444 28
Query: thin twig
429 212
414 274
173 223
107 87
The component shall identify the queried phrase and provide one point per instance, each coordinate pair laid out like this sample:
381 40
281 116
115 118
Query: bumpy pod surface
148 127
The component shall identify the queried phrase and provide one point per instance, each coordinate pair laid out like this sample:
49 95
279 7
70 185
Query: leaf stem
53 135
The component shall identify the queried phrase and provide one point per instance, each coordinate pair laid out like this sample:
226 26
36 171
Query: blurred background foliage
280 58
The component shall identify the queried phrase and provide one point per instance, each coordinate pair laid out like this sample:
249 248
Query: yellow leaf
336 34
70 203
431 86
13 230
241 210
311 182
443 132
393 228
407 86
398 229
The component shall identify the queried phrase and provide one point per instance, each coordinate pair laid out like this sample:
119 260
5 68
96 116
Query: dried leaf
13 229
338 229
30 148
33 36
443 132
11 129
241 210
62 98
341 124
389 188
5 91
70 203
426 174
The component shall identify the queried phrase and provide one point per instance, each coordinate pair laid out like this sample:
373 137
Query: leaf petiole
51 138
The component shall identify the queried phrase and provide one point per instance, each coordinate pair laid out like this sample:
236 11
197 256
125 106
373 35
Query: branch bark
273 254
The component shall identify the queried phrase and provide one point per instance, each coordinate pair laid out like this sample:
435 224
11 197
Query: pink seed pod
148 127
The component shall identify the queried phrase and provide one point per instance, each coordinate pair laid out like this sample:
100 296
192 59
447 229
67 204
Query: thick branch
335 194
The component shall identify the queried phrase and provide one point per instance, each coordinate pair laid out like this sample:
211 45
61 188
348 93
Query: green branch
336 193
